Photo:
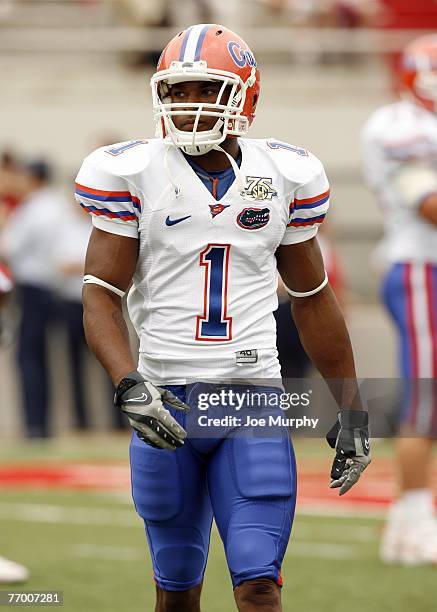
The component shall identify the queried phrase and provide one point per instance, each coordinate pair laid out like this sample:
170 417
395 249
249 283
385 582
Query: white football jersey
205 283
395 137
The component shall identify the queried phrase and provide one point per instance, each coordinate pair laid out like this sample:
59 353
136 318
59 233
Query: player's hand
350 438
142 402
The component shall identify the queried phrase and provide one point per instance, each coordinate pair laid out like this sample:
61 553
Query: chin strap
236 169
238 174
177 190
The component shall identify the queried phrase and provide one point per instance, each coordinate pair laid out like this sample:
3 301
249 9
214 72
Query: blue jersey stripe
312 205
309 220
119 213
102 198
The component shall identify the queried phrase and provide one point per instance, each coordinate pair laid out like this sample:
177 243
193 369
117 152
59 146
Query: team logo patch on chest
216 209
259 188
253 218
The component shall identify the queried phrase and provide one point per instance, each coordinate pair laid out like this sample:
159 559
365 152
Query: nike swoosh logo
170 222
142 397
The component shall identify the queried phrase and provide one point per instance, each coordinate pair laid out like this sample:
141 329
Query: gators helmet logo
253 218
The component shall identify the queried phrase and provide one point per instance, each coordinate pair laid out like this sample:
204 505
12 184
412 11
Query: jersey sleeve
107 198
308 209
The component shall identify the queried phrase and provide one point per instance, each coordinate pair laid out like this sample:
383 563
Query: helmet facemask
230 121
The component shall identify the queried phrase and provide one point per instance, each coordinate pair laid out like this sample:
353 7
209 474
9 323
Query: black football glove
142 402
350 438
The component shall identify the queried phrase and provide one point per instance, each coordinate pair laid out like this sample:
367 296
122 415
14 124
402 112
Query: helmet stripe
194 42
184 44
200 43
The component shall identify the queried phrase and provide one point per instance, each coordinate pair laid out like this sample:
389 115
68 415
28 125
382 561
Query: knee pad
250 549
257 538
179 561
263 471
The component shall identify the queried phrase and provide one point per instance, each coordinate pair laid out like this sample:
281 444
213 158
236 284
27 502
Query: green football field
90 545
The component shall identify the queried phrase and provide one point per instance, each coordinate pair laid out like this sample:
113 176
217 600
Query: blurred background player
9 171
71 242
26 244
10 572
400 163
6 286
69 251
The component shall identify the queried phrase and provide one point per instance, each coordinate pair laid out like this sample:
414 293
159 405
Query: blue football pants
246 483
409 293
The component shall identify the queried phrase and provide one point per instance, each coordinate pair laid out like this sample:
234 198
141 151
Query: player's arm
323 333
321 325
109 268
416 185
111 258
428 209
319 320
318 317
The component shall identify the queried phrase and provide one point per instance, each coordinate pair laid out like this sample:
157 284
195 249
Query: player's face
197 92
13 182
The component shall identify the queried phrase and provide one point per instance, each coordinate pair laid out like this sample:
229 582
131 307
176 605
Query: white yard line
106 517
53 514
49 513
123 497
358 510
310 550
345 531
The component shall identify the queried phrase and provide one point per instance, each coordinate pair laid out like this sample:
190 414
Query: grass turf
91 546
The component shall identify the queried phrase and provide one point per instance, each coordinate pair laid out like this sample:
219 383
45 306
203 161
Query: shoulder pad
294 163
124 159
391 122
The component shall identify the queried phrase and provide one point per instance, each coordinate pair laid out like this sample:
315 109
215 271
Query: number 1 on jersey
214 324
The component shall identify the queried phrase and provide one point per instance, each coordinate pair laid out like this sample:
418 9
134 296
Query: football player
10 572
6 287
400 162
198 222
